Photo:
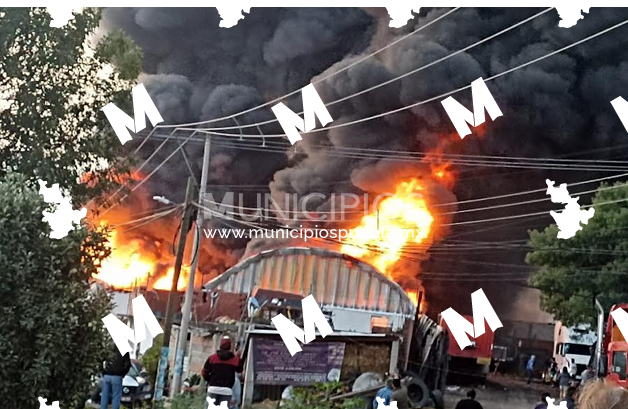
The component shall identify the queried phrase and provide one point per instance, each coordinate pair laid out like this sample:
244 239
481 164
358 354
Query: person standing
400 394
586 375
115 369
219 372
470 402
563 382
530 368
573 369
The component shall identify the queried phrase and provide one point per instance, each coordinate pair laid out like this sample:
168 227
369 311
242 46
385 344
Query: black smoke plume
196 71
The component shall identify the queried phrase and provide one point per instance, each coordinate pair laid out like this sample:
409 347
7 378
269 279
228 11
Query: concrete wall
200 347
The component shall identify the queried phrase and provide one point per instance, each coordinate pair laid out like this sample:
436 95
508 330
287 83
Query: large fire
403 219
139 257
397 216
130 265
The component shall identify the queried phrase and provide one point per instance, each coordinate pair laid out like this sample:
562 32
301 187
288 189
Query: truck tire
437 397
417 391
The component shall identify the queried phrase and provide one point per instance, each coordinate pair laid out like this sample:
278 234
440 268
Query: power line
145 179
446 94
408 157
324 213
399 77
232 116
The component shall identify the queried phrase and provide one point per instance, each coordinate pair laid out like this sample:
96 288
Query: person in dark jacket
400 395
543 403
115 369
470 402
570 398
220 370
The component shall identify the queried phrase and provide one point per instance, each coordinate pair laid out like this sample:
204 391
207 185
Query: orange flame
401 220
131 265
413 295
127 266
165 282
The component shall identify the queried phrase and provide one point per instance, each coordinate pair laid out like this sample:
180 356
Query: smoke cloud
196 70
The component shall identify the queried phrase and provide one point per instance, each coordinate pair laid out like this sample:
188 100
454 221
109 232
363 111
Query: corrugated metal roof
334 279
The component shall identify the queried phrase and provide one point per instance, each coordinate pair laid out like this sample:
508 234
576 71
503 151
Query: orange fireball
402 219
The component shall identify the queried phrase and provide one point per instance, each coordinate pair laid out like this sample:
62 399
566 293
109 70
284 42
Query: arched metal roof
334 279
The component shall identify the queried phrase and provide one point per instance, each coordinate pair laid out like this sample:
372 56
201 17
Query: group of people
220 372
596 394
393 391
563 379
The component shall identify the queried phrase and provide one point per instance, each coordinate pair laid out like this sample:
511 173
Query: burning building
196 71
374 321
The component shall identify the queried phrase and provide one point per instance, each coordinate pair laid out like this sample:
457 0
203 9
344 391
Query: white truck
573 344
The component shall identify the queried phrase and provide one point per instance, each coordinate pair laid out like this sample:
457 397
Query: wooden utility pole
173 297
189 293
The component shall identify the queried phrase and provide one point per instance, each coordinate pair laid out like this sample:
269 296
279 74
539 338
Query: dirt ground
502 392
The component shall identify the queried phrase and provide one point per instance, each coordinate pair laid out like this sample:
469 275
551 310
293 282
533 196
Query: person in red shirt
220 370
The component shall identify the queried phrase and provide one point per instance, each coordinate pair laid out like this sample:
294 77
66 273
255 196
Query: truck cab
616 351
572 345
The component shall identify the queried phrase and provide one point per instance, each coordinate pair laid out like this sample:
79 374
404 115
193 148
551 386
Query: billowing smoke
196 70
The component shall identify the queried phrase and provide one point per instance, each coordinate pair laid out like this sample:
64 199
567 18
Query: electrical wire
399 77
152 216
145 179
324 213
443 95
324 78
389 112
408 157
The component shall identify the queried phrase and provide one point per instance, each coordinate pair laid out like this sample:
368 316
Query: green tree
150 359
119 50
53 87
51 91
592 264
52 338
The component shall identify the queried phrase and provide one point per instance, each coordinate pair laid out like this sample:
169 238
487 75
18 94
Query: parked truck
572 346
610 357
470 365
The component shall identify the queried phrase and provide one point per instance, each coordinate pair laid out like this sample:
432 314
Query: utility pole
173 297
189 292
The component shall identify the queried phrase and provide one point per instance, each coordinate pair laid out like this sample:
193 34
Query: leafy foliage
188 400
52 90
150 359
316 397
51 123
592 264
120 50
52 339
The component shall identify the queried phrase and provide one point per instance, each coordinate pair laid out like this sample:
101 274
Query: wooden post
394 356
173 297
